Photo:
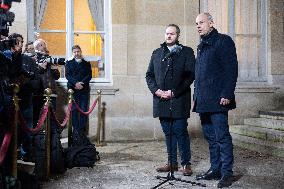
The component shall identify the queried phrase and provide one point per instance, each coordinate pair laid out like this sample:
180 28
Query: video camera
55 61
52 60
6 17
8 43
6 20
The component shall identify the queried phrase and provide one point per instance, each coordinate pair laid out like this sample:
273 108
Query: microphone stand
170 176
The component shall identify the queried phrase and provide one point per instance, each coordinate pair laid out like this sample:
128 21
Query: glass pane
91 44
82 13
56 43
54 16
92 47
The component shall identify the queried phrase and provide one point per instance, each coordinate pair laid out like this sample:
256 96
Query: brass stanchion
70 97
98 137
48 93
14 145
103 116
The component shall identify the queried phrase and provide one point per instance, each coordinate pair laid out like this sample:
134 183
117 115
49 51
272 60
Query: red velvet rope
67 117
5 146
88 112
39 123
7 137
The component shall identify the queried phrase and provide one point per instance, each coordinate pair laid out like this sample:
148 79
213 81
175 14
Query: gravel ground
132 165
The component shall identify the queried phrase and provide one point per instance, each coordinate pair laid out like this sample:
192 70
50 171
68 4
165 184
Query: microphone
175 50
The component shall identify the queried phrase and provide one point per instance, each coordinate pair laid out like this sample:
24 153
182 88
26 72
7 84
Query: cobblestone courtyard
132 166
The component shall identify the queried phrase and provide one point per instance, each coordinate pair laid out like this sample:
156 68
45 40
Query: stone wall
138 28
276 41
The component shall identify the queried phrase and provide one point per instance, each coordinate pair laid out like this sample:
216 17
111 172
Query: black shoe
209 175
225 181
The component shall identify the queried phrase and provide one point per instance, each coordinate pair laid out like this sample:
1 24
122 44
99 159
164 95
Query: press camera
6 17
55 61
51 60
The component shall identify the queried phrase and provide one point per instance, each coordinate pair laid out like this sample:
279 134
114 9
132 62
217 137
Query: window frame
70 32
263 51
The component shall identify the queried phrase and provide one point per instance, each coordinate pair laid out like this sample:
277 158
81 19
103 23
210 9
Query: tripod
170 176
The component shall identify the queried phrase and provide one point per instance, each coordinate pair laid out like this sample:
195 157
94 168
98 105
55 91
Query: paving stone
132 166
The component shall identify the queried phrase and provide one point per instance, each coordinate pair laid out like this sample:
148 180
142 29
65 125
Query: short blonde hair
37 42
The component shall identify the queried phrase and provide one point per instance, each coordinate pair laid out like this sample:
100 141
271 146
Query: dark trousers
180 138
79 121
216 132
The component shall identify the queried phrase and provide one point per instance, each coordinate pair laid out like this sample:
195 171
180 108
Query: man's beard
172 43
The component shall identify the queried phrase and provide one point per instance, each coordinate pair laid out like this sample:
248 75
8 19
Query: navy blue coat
176 74
78 72
216 73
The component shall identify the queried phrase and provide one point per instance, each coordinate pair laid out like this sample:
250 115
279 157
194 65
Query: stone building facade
137 28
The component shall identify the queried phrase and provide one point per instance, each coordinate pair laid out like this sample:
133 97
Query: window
246 22
84 22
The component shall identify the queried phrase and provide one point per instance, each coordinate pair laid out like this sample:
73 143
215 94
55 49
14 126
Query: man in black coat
79 73
216 75
169 76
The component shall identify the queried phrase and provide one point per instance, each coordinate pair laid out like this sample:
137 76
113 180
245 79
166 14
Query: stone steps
258 132
279 115
259 145
264 134
276 124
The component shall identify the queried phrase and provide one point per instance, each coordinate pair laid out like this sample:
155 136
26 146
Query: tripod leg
160 184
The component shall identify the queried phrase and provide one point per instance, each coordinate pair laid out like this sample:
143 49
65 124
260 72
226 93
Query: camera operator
11 71
48 77
29 83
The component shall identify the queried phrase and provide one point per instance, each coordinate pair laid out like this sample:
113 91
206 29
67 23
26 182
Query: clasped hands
79 85
164 94
224 101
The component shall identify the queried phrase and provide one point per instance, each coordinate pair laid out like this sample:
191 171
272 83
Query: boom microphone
175 50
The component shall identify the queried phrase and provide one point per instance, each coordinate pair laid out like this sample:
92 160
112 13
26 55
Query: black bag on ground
79 138
28 181
82 152
56 156
81 156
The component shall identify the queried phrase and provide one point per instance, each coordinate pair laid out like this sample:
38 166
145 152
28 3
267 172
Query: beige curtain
40 6
97 11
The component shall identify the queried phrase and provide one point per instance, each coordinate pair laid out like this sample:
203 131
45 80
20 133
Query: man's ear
211 24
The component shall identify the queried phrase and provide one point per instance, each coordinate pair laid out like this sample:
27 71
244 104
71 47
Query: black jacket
176 74
33 83
216 73
78 72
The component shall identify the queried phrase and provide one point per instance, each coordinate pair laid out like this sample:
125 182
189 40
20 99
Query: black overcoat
216 73
176 74
78 72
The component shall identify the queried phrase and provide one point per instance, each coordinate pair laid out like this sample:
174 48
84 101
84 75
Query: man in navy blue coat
78 72
216 73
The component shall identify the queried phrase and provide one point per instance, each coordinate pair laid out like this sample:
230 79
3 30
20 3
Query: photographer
47 78
11 71
28 84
